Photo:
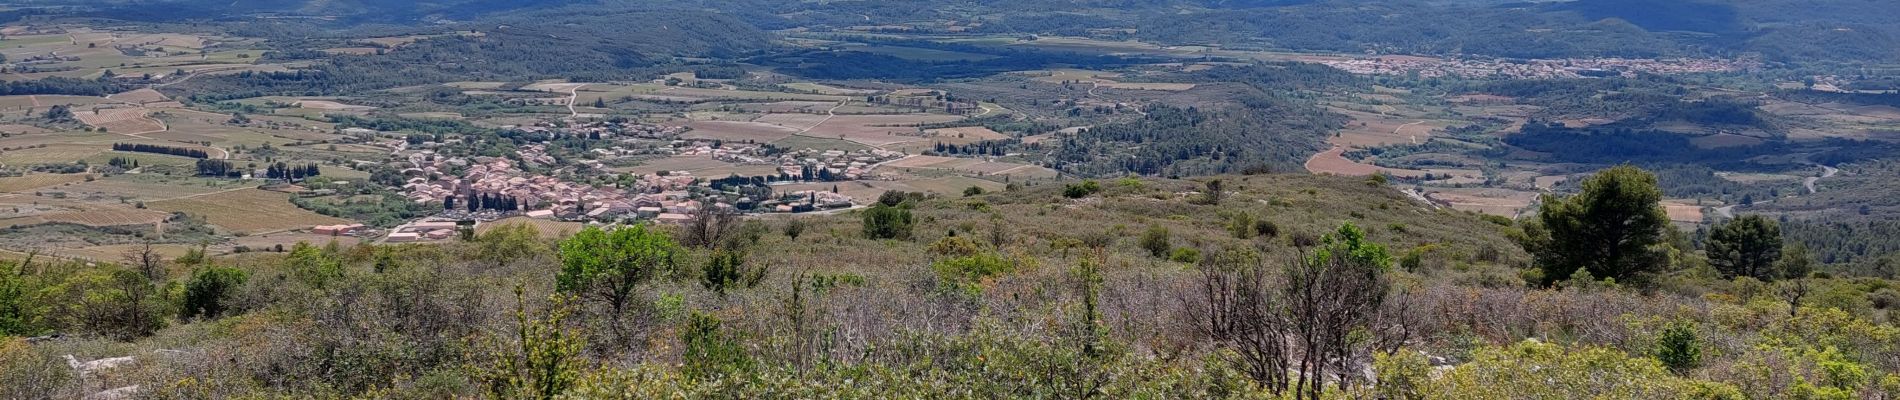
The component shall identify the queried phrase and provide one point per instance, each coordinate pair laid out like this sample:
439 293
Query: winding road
1826 172
574 96
1728 211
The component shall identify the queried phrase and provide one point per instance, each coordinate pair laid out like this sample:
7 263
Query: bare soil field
1370 130
327 105
693 164
140 96
1334 162
791 120
34 104
1501 202
248 210
738 131
126 120
1683 211
1549 181
876 130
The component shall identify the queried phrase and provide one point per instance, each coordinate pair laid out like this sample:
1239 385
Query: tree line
160 149
282 170
483 201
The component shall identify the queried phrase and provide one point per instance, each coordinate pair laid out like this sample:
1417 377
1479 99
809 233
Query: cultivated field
795 121
88 53
548 228
35 181
126 120
52 154
956 136
972 166
876 130
88 214
1501 202
148 187
738 131
703 166
1370 130
1684 211
818 143
247 210
140 96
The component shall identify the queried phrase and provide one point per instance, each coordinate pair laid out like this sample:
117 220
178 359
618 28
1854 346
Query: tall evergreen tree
1607 229
1746 246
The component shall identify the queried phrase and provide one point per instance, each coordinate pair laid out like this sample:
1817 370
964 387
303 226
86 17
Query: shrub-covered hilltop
1264 286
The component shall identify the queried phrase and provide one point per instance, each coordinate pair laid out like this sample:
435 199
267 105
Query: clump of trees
218 168
1607 230
281 170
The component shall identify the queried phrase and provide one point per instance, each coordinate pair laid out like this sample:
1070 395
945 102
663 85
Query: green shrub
1155 240
1679 347
711 350
887 222
1080 190
1185 255
207 294
965 274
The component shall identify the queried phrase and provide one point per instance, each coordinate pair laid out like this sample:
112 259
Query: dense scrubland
1228 286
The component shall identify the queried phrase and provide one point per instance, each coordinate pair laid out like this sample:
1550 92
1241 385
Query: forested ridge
624 45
